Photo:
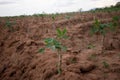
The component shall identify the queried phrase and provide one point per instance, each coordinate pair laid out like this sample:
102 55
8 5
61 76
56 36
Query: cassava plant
115 20
105 64
99 28
68 18
114 24
9 24
56 45
53 18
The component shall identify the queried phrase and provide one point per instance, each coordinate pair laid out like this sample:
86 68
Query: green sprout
112 27
55 44
62 34
115 20
53 16
105 64
99 28
68 18
9 24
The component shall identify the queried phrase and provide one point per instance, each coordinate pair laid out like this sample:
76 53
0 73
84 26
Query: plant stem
103 39
60 62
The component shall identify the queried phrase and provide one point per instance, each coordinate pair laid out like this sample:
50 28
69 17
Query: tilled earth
84 60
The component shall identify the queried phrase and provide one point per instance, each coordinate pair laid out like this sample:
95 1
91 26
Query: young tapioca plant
102 29
53 16
114 24
115 20
68 18
99 28
9 24
105 64
56 45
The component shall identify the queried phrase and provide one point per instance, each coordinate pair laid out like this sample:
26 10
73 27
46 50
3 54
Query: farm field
87 57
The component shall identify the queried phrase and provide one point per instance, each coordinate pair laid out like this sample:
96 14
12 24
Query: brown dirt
20 60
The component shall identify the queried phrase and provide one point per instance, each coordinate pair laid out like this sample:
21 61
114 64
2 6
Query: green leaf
94 30
48 45
55 42
103 32
41 50
116 18
96 23
59 32
64 31
48 40
53 17
52 43
58 46
112 27
106 65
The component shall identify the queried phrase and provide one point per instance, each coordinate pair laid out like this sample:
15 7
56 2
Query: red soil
20 60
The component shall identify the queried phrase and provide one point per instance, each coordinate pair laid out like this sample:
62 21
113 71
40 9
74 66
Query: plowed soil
20 59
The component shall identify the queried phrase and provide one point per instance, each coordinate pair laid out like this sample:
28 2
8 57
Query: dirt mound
20 59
